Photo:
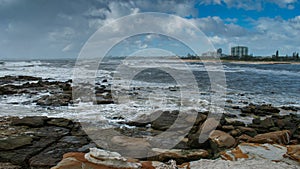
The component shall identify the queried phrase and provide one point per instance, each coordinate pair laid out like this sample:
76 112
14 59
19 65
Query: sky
58 29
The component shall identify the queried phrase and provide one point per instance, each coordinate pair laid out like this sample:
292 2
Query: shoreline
240 62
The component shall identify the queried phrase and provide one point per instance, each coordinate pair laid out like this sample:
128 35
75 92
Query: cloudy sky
49 29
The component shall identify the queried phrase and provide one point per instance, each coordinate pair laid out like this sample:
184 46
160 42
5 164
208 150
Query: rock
51 155
286 122
271 152
9 166
256 121
104 101
221 139
261 110
13 142
33 121
40 145
247 130
279 137
293 152
227 128
77 160
54 100
244 138
60 122
130 147
235 133
164 120
180 156
8 90
242 164
110 159
267 123
200 138
74 140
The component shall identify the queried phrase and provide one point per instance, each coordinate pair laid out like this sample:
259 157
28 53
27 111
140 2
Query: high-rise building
239 51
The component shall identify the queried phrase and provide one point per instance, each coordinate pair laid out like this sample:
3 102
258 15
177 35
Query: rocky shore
40 142
271 140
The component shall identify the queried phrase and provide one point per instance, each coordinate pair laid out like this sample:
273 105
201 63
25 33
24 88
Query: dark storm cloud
58 28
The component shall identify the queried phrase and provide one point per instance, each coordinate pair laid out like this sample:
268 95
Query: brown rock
247 130
293 152
244 137
32 121
180 156
227 127
279 137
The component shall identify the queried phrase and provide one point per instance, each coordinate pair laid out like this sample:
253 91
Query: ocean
152 88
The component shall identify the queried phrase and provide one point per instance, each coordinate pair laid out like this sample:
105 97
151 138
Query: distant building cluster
242 53
239 51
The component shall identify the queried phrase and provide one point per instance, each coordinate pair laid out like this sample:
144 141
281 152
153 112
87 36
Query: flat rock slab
243 164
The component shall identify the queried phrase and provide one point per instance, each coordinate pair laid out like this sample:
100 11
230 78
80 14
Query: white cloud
217 40
251 4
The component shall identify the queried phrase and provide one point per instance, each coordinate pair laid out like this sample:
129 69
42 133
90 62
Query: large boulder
221 139
101 159
279 137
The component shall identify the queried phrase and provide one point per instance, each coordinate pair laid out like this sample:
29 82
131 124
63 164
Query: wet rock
13 142
165 120
234 122
290 108
279 137
8 90
267 123
60 122
52 155
33 121
74 140
286 122
51 131
221 139
54 100
262 110
104 101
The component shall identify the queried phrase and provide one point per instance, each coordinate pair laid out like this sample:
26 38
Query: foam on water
241 88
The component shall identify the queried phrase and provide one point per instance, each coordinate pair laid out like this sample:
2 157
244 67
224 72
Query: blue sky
43 29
